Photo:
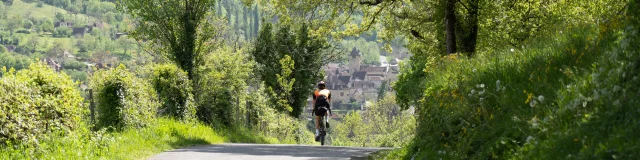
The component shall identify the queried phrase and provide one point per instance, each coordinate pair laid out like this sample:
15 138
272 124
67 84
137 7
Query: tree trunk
187 47
450 25
470 39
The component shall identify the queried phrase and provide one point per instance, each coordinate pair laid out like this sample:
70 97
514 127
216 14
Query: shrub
122 99
78 76
37 101
16 61
73 64
174 91
222 85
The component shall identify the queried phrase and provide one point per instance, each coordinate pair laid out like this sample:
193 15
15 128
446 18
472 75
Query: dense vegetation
35 102
486 79
134 83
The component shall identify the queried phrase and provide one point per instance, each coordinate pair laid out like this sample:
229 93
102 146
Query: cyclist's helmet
321 85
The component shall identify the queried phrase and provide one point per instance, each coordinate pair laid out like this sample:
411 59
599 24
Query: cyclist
321 104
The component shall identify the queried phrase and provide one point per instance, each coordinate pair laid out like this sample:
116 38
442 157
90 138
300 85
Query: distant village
354 84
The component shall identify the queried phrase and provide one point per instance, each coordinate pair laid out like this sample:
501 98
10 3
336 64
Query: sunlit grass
141 143
523 101
30 10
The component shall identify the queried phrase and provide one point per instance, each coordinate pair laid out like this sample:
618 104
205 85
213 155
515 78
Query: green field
30 10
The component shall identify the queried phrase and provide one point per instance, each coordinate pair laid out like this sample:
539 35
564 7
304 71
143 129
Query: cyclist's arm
329 99
314 103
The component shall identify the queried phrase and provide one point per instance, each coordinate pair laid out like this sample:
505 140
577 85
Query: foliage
174 91
140 143
370 50
179 28
559 96
62 32
223 85
73 64
263 119
122 99
307 56
77 76
35 102
12 60
382 124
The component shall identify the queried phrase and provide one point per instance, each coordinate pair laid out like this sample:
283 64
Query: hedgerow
174 91
122 99
37 101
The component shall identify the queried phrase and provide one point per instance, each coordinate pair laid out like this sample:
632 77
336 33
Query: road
265 152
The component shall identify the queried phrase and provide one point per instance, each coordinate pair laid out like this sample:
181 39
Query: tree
178 26
59 16
32 43
307 55
14 23
382 91
47 26
3 11
125 43
3 49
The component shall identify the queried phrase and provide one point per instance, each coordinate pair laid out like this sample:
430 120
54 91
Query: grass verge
572 95
165 134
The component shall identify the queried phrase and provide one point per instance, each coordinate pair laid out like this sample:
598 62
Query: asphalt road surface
265 152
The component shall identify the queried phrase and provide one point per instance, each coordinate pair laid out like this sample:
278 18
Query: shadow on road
317 152
185 141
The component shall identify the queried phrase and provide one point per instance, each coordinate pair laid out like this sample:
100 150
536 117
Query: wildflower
481 92
473 91
512 50
474 70
532 103
529 139
541 98
481 99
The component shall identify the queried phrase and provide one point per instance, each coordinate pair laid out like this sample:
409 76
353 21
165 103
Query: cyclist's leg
317 120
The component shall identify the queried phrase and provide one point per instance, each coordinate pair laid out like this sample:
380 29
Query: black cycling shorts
321 111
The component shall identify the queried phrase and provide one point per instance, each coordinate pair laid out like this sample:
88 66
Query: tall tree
306 57
450 25
179 27
14 23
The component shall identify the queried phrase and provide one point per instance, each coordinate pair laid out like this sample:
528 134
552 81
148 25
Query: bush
174 91
73 64
222 85
122 99
37 101
16 61
78 76
62 32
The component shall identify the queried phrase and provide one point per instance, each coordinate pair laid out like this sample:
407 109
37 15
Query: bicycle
323 130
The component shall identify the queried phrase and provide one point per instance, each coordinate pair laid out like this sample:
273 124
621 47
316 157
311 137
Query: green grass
141 143
388 154
562 96
27 10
